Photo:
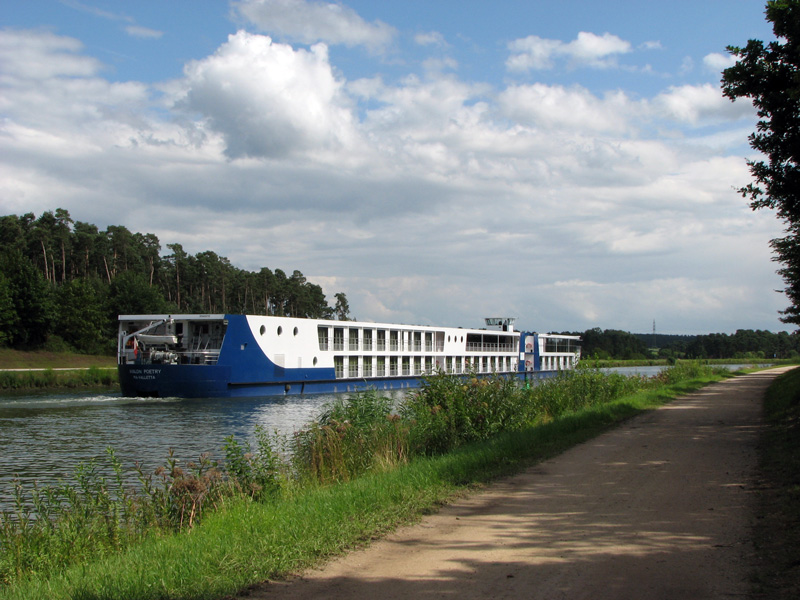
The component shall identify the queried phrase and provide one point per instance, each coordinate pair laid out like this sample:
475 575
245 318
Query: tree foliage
744 344
67 280
769 75
612 343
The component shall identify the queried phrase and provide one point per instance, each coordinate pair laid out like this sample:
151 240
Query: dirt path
658 508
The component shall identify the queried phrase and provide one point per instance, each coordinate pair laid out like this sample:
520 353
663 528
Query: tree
30 319
770 77
62 231
342 308
8 313
86 243
176 259
82 320
150 249
130 294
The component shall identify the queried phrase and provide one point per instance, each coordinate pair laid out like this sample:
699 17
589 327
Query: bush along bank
93 377
277 504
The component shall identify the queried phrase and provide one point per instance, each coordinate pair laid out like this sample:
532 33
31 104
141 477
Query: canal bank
658 508
196 560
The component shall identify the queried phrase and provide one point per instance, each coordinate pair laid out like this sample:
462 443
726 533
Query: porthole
295 331
448 339
315 361
280 330
263 329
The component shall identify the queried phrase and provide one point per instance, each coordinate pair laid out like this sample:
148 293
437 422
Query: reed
94 516
352 436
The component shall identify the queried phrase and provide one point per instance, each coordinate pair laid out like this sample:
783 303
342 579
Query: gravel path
658 508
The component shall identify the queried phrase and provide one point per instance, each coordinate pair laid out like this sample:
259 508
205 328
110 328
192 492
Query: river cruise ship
226 355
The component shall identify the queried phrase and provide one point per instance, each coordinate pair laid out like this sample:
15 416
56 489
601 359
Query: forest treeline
63 283
745 343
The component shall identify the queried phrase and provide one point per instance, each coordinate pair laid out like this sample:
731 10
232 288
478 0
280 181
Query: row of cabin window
393 366
398 340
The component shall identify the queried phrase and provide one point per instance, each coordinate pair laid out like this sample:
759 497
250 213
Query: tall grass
352 436
362 436
448 412
94 516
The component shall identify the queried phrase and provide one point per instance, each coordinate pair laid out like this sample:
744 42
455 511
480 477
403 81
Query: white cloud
143 32
532 52
697 103
52 95
557 107
717 62
426 199
651 45
310 22
430 38
267 99
588 49
43 54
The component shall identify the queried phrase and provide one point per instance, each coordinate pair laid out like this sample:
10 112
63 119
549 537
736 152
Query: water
44 437
650 371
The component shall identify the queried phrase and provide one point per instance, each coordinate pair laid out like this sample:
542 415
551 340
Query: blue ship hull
190 381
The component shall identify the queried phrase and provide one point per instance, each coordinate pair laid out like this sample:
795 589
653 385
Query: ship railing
479 347
171 357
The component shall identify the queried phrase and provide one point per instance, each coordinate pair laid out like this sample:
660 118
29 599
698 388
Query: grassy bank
18 359
47 371
55 370
91 377
663 362
209 529
777 531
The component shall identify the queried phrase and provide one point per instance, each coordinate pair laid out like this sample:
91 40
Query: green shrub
352 436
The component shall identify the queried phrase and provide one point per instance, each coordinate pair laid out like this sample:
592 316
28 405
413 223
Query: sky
573 164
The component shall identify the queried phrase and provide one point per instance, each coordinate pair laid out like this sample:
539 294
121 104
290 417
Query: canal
43 437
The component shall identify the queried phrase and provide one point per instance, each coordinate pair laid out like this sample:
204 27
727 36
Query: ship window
280 330
315 361
263 329
295 331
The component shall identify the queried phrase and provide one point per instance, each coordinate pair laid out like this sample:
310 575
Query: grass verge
777 529
89 371
41 359
246 542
